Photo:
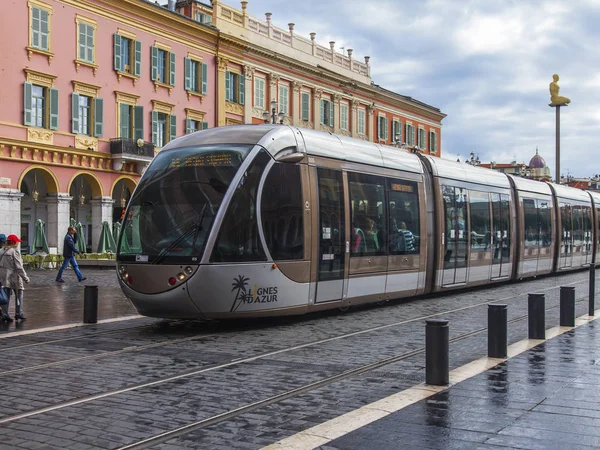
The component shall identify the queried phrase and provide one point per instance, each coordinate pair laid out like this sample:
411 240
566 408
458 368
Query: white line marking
338 427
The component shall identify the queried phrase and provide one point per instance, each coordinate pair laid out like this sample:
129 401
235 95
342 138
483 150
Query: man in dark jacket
69 251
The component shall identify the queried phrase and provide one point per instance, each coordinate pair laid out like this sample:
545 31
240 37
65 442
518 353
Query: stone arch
48 176
130 183
93 181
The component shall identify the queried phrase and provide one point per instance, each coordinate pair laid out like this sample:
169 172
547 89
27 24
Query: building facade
535 170
97 87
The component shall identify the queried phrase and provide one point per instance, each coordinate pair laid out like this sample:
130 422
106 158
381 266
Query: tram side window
367 214
282 213
238 238
404 217
545 223
531 223
481 235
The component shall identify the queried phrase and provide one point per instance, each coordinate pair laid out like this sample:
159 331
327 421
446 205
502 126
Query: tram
258 220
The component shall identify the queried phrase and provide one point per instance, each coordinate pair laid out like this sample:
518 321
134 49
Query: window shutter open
305 100
125 120
412 141
53 109
188 126
331 116
187 63
322 111
98 116
27 119
154 74
204 125
137 66
75 121
172 62
138 122
155 127
204 77
117 41
228 85
242 96
173 126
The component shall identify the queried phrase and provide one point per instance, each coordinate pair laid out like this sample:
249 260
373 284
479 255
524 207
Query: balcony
127 150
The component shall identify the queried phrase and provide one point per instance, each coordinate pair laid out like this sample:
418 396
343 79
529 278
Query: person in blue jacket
69 251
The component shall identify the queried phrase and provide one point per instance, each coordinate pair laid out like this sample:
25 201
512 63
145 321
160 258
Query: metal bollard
437 371
592 306
90 304
567 306
497 331
537 317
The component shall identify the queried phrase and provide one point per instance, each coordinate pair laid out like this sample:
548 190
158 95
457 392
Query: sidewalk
48 303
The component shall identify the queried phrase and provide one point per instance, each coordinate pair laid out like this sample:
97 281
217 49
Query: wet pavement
249 384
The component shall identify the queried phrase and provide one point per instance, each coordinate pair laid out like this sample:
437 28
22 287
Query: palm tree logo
240 284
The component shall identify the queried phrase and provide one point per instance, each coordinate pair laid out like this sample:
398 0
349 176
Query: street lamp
273 114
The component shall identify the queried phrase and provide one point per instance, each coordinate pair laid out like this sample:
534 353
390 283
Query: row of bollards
437 368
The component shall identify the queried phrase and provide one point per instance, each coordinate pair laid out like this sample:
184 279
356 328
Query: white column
59 206
354 118
296 101
10 207
102 209
249 97
317 93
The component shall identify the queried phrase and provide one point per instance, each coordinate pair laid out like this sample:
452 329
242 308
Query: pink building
91 89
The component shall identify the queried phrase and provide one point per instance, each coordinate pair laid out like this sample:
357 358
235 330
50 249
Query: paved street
198 384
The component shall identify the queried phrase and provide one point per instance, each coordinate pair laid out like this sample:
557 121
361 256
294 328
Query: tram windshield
172 210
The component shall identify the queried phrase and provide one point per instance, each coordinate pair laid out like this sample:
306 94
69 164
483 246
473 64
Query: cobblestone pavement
108 385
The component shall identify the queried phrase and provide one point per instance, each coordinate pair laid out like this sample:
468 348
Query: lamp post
275 118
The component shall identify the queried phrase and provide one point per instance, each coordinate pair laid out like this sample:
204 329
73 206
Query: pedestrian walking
4 316
12 273
69 251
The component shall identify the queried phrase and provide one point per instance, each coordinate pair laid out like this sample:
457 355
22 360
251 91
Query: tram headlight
189 270
180 276
125 275
172 281
122 270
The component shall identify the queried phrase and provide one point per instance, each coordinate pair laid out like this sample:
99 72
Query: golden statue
554 97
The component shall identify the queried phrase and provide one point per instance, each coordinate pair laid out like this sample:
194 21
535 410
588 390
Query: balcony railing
129 147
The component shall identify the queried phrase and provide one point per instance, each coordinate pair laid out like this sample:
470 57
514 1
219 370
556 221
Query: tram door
330 275
456 236
500 236
566 246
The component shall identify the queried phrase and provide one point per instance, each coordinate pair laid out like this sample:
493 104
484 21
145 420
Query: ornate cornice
273 79
296 86
318 93
234 108
222 62
249 71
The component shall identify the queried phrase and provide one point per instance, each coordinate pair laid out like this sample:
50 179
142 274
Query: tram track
239 361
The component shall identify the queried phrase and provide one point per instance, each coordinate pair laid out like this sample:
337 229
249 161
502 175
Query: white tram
257 220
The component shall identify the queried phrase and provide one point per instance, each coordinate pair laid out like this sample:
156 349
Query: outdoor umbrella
73 222
80 244
116 231
40 243
107 243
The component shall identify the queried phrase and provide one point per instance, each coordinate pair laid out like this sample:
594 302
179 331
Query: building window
196 75
382 128
344 116
410 135
163 66
361 121
367 214
192 125
86 31
305 106
131 121
84 114
422 139
164 124
87 115
284 102
396 131
38 106
203 18
40 28
326 112
433 142
127 55
235 88
41 106
259 92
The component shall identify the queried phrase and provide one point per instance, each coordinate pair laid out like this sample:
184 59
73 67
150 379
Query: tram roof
445 168
595 197
571 193
537 187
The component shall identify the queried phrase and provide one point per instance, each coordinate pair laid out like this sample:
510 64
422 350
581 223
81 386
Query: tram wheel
344 308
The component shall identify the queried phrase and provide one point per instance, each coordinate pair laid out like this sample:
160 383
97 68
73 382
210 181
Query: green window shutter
228 85
35 27
172 62
138 123
242 96
117 41
44 29
173 126
137 65
53 109
98 117
379 127
305 101
75 113
386 132
187 63
413 135
125 121
155 127
204 125
82 41
27 119
331 115
399 131
154 74
188 126
204 78
322 111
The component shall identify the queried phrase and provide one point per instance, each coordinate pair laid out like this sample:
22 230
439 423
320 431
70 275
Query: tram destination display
212 159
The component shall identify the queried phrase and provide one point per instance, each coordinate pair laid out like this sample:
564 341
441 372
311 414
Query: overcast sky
486 64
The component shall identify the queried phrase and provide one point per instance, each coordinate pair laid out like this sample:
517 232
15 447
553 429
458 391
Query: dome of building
537 162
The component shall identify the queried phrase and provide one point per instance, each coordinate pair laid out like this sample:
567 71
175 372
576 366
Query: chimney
172 5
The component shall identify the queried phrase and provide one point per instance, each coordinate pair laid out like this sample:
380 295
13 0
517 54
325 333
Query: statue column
337 114
59 219
370 127
10 205
317 94
221 69
248 97
296 101
102 210
354 118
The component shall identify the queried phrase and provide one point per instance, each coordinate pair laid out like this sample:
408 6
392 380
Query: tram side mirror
291 157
